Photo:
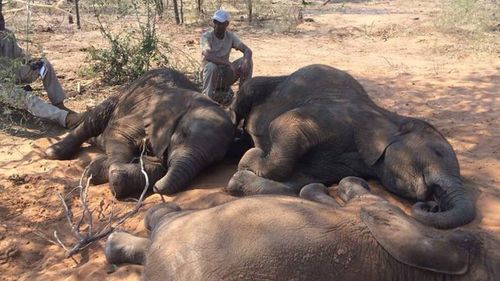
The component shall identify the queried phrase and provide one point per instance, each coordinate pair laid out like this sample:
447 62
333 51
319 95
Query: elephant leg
247 183
292 134
126 178
122 247
93 124
98 168
69 146
158 212
131 174
318 192
351 188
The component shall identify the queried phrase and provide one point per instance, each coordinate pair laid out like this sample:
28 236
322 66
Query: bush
131 53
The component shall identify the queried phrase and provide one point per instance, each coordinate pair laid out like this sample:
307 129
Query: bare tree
181 10
77 10
160 8
199 4
249 10
176 12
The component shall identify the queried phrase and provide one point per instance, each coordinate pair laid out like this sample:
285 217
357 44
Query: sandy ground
392 47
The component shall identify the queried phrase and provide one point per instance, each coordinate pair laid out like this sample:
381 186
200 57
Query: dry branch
50 7
85 239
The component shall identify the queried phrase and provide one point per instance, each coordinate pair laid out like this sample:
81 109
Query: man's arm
210 56
247 53
247 59
207 53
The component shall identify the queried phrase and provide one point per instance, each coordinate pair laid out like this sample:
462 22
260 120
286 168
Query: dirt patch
392 47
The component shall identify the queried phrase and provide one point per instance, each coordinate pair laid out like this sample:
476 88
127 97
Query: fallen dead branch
85 221
53 7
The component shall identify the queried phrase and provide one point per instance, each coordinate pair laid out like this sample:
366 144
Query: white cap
221 16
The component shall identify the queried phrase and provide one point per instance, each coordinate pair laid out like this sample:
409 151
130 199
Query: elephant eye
438 153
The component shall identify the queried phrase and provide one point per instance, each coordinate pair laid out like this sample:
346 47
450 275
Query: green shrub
130 53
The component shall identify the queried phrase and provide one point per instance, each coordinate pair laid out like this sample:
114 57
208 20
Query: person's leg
21 99
28 74
209 75
243 76
227 77
52 86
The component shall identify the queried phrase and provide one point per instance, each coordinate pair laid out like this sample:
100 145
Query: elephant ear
417 245
375 132
160 121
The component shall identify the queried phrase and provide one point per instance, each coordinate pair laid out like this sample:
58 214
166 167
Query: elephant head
251 93
412 159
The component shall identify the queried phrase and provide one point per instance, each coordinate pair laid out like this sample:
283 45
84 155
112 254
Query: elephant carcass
319 125
183 132
274 237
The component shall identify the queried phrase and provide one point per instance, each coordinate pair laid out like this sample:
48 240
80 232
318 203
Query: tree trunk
182 11
160 8
77 10
199 3
249 9
176 12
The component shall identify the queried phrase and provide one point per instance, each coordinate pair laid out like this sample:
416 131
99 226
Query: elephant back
137 94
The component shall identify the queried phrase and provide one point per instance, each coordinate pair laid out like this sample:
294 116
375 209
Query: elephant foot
126 180
122 247
238 182
256 161
252 161
352 187
318 192
157 212
60 151
98 168
247 183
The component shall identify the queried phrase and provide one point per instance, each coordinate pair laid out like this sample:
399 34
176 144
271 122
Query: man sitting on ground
13 67
218 72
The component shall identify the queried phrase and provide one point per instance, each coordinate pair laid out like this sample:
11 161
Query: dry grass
475 22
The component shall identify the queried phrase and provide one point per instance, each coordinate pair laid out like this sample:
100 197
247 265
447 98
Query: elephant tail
457 209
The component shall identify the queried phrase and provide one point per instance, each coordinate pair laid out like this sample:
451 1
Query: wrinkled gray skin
274 237
185 132
319 125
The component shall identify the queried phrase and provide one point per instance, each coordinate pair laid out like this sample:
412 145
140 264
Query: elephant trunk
183 166
455 207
